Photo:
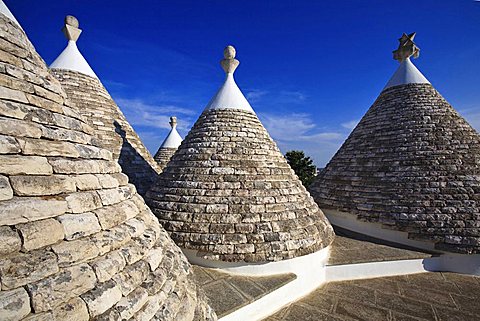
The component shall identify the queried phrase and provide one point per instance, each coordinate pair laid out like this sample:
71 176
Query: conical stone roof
229 193
112 129
76 240
411 164
169 145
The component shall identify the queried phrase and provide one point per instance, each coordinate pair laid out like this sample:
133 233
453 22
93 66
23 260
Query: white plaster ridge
406 73
311 278
173 139
4 10
351 223
296 265
310 272
448 262
229 95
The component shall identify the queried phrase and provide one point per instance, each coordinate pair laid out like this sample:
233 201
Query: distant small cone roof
412 164
173 139
101 112
77 241
228 192
169 145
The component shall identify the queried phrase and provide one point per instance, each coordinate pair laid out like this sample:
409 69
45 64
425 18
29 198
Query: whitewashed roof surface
406 73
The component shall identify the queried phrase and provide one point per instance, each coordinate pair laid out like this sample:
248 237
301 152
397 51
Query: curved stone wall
76 240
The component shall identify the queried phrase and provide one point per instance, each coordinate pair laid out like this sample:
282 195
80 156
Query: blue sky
310 69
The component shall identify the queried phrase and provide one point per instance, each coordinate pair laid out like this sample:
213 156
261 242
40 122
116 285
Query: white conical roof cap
406 73
71 58
4 10
173 139
229 95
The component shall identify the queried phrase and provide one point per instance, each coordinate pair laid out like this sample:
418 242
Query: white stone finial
71 30
229 52
406 48
173 121
72 21
229 95
229 63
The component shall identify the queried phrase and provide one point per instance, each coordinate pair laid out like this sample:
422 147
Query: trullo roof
76 240
169 145
229 193
411 165
97 106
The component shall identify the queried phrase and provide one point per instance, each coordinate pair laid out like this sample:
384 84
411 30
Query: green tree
302 165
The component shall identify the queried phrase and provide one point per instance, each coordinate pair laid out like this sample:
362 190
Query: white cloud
275 97
299 132
472 115
350 124
256 95
293 95
286 126
141 113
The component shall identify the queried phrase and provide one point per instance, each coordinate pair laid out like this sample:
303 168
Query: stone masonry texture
112 129
411 164
163 156
229 193
76 240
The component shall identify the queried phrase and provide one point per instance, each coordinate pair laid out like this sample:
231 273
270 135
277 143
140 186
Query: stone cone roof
76 240
411 164
112 129
163 156
169 145
229 193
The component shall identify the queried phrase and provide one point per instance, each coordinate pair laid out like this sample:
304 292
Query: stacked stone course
229 193
411 164
112 129
163 156
76 240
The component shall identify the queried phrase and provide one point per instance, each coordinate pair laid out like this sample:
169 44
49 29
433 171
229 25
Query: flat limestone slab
228 292
353 249
426 296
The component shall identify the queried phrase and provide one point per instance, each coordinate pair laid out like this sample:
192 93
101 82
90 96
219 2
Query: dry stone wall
112 129
229 193
412 164
76 240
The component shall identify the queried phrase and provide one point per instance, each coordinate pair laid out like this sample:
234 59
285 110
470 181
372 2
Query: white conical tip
71 58
406 73
229 96
173 139
5 11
